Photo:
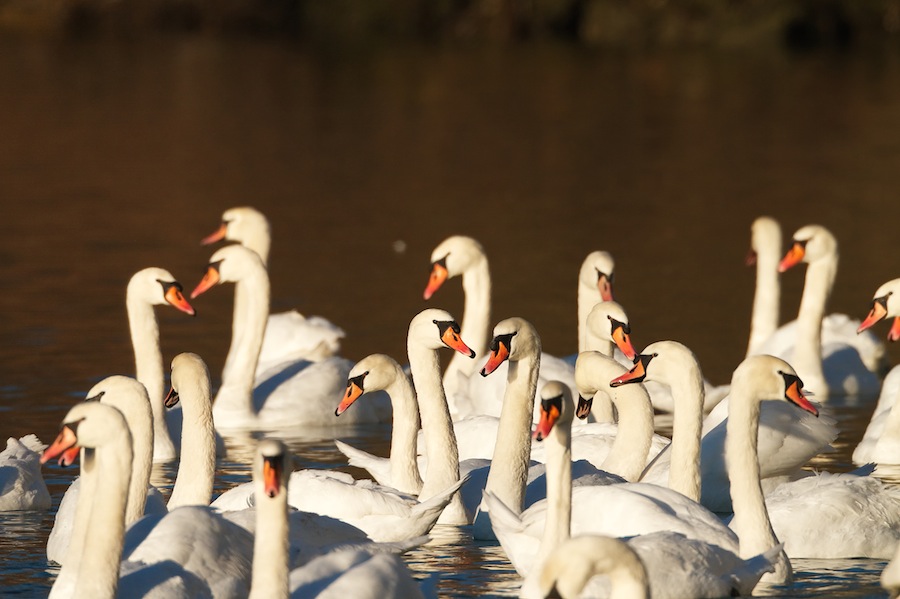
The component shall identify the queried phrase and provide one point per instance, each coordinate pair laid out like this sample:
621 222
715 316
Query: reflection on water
121 155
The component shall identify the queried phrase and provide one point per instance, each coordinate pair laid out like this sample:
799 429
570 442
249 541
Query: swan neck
508 473
148 364
688 395
559 491
475 325
628 455
766 298
807 357
140 423
404 433
197 468
271 568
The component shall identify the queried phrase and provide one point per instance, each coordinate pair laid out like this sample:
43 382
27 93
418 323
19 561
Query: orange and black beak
438 275
173 292
209 280
637 374
450 336
65 446
171 398
354 392
550 411
894 333
877 313
500 349
272 474
604 285
218 235
584 407
621 334
794 256
793 392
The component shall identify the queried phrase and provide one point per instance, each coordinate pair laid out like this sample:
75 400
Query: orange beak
498 356
794 394
354 392
636 374
271 476
177 299
69 456
550 410
451 339
877 313
751 257
210 279
65 441
218 235
894 333
604 284
438 275
622 339
793 257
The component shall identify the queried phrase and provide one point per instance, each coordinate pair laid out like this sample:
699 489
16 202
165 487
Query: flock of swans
553 457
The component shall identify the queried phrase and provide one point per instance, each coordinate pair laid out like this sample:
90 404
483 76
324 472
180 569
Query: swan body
289 336
841 364
147 288
22 485
880 443
297 393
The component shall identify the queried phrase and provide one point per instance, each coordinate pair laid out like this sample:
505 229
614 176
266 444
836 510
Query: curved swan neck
475 324
98 567
559 491
807 358
628 455
251 311
142 461
766 297
197 468
440 441
271 568
404 433
148 364
688 394
508 473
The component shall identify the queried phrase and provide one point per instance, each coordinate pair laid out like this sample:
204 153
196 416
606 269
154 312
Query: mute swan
22 485
289 335
787 440
831 358
297 393
343 573
92 568
881 442
147 288
384 513
681 567
469 395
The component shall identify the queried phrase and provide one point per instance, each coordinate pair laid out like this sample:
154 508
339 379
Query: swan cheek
218 235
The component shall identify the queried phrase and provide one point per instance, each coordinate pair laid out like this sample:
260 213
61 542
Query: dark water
115 156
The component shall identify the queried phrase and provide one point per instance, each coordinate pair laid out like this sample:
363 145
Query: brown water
115 156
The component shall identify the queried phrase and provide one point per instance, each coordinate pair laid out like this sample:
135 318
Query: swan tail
745 577
21 448
503 519
376 466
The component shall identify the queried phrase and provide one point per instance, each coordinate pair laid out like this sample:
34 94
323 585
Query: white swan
832 359
296 393
679 566
289 335
384 513
467 394
885 304
343 573
92 567
147 288
787 440
22 485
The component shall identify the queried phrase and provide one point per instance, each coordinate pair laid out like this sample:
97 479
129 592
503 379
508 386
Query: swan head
189 372
157 286
574 562
607 320
239 224
765 232
229 264
89 424
514 339
598 273
435 328
663 362
811 243
128 396
885 304
768 377
271 467
453 257
376 372
556 409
